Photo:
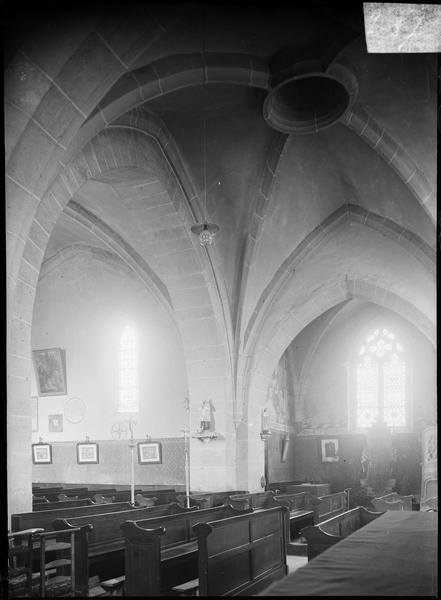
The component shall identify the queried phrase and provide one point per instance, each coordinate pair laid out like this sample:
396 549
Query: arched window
128 372
380 377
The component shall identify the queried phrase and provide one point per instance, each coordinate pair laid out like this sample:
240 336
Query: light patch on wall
393 28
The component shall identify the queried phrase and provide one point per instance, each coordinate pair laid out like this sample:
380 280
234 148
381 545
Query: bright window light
380 381
128 372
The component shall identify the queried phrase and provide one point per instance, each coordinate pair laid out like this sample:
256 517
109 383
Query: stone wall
114 465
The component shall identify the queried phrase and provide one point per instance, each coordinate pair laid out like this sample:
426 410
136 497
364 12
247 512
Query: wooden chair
20 553
43 563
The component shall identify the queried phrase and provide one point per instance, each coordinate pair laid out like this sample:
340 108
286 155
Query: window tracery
380 381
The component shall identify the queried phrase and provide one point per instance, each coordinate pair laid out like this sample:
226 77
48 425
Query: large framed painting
87 453
50 371
329 448
41 454
149 453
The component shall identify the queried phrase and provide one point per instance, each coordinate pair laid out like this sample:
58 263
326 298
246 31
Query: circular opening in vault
306 104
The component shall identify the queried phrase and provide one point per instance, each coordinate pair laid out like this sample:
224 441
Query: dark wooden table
394 555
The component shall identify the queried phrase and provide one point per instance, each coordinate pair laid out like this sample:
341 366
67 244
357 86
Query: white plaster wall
82 306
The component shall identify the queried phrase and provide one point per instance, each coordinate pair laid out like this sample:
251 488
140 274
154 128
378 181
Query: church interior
221 302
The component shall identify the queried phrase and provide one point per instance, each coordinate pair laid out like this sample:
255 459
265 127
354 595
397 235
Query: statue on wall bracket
205 431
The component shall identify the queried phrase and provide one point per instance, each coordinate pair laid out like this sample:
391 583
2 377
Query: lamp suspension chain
205 230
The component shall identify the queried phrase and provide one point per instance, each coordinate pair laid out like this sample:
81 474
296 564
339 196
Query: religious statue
265 420
205 416
378 460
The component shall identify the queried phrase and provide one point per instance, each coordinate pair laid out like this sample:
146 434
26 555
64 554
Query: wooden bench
105 551
45 518
326 534
242 555
331 505
392 501
52 493
87 493
61 504
280 486
303 510
209 499
166 496
252 500
39 500
161 553
40 491
316 489
140 500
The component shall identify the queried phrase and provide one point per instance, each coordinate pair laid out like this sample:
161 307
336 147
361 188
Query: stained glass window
128 372
380 381
367 386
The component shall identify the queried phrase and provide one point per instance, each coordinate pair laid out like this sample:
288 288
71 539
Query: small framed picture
87 453
149 453
329 449
55 423
41 454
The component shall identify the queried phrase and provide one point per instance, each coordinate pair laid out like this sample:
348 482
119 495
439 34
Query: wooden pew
326 534
392 501
45 519
40 491
141 501
280 486
162 496
162 552
242 555
36 500
88 493
52 494
61 504
105 539
331 505
166 496
303 508
209 499
316 489
252 500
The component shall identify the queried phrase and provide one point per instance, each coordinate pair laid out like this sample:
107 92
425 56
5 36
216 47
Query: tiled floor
294 562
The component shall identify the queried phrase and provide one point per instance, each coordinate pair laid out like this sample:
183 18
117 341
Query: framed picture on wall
149 453
87 453
50 371
41 454
329 448
55 423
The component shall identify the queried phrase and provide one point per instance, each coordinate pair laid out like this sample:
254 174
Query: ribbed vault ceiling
269 191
